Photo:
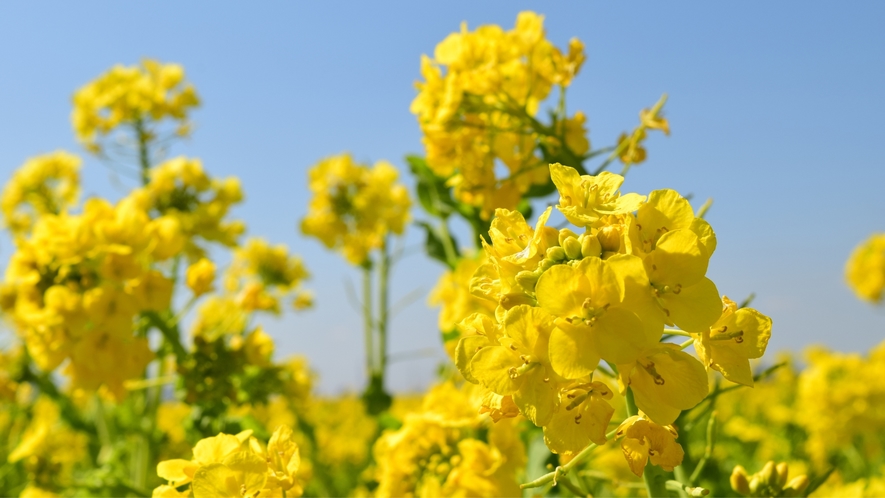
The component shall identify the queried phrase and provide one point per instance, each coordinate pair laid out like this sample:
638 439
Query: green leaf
435 247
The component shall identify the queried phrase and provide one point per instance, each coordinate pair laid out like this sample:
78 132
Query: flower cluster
133 96
74 287
354 206
235 465
865 270
565 301
839 403
443 450
261 275
193 203
477 107
772 480
47 184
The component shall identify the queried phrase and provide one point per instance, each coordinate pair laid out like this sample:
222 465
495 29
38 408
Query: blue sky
775 110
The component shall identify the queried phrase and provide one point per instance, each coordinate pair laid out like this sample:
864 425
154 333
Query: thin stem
170 334
451 253
144 158
368 320
564 469
677 332
572 487
383 310
708 450
705 207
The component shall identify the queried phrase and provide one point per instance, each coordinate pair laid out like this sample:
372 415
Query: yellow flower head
264 275
477 104
728 345
354 207
865 269
180 190
645 440
47 184
200 277
139 96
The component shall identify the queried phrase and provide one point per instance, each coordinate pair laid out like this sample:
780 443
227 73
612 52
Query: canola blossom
588 352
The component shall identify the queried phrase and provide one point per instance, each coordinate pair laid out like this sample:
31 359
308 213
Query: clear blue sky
776 110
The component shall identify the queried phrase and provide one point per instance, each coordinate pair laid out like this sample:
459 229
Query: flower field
591 356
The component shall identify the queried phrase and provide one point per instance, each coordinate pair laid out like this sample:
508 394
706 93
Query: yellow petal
177 471
636 454
573 351
530 327
536 398
215 480
666 382
561 290
695 308
679 260
250 470
570 431
464 353
491 367
215 449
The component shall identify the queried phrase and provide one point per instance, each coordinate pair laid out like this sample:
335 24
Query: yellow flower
676 248
592 323
477 104
518 365
665 380
452 295
729 344
264 275
181 190
584 199
437 452
47 184
283 460
865 269
136 96
201 276
582 418
355 207
645 440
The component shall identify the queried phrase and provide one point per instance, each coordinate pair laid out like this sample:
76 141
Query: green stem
451 254
653 476
144 158
564 469
368 321
383 310
170 333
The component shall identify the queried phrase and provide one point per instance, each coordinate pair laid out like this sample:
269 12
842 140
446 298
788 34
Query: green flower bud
527 280
565 234
556 253
572 248
590 246
739 482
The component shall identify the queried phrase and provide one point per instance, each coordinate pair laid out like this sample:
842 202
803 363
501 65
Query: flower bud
783 471
566 234
590 246
546 264
610 238
572 248
768 474
556 253
796 486
739 481
527 280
